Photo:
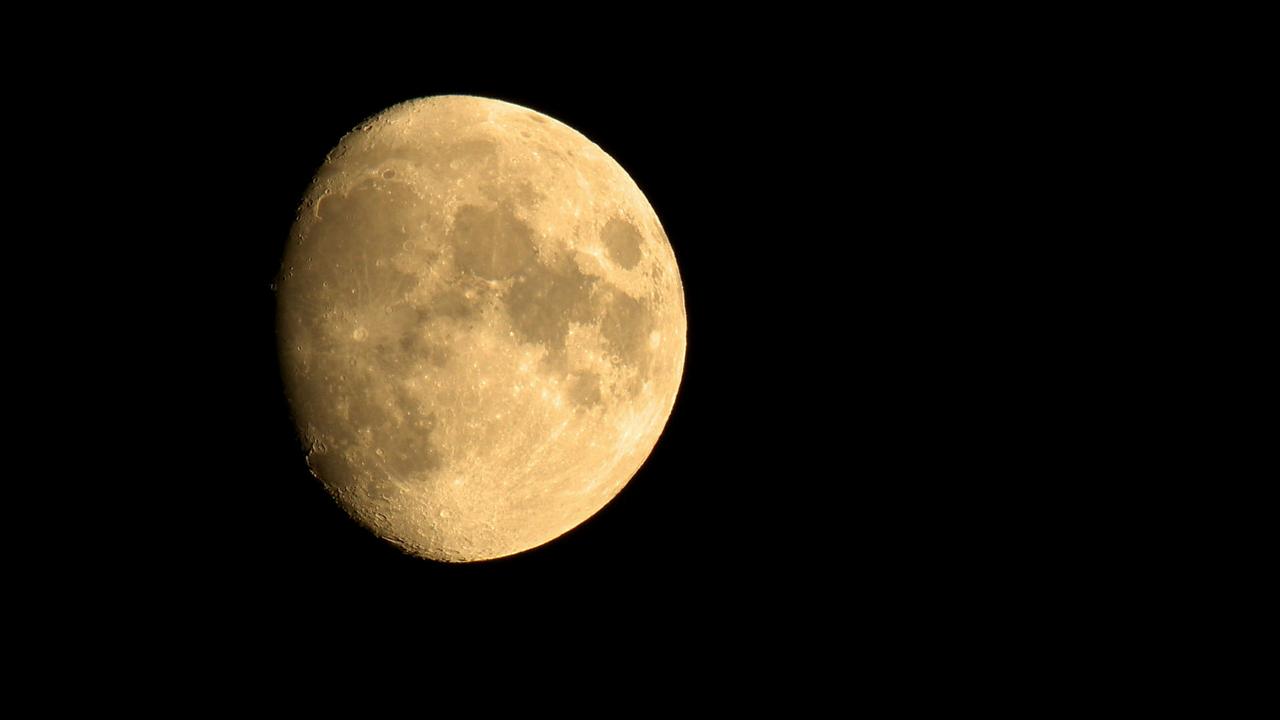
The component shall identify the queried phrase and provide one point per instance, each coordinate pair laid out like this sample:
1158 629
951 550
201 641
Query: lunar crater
491 243
544 300
622 241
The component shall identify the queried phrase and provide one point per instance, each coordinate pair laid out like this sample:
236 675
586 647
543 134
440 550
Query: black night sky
724 496
885 446
791 467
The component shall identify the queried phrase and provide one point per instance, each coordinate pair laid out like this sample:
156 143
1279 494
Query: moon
481 327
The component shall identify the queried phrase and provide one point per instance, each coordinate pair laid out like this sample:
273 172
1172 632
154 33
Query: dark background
813 445
733 500
892 429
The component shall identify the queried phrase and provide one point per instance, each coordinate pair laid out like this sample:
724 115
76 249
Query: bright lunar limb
481 326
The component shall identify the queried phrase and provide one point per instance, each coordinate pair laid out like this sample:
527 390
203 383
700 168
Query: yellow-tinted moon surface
481 327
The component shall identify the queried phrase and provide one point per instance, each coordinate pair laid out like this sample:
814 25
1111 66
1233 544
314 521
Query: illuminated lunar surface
481 327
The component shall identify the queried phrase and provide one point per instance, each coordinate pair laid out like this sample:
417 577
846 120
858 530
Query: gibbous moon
481 327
